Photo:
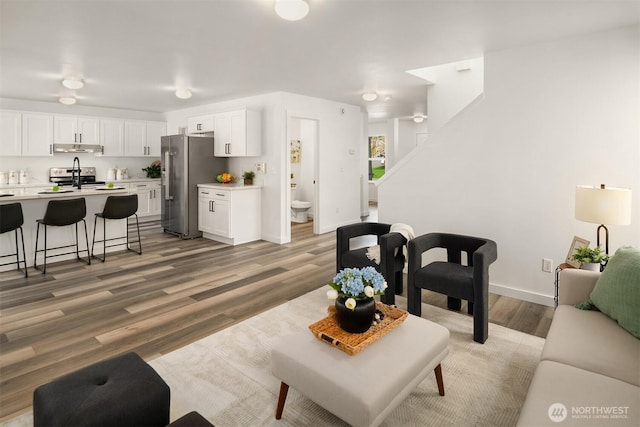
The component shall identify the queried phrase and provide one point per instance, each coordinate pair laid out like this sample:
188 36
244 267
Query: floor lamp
603 205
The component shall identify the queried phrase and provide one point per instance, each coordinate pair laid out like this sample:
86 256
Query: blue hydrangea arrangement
356 283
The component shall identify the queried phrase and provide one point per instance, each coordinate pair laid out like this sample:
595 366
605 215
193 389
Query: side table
558 269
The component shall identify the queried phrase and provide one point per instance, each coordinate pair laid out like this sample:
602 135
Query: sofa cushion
592 341
590 399
617 292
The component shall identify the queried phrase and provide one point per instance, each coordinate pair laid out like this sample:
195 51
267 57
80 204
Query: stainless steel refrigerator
186 162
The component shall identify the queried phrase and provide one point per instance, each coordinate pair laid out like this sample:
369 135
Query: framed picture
376 146
577 243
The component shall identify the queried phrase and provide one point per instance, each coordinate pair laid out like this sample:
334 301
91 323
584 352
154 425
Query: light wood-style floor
175 293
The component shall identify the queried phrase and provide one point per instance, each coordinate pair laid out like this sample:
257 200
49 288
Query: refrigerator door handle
167 176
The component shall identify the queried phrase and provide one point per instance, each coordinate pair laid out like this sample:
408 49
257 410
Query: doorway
302 166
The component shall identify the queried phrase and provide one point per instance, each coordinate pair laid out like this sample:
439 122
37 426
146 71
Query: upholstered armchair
391 254
468 282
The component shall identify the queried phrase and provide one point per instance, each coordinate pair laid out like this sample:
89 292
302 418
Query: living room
554 114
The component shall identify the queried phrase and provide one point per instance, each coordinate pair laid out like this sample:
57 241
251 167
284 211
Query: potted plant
353 290
590 259
153 170
248 177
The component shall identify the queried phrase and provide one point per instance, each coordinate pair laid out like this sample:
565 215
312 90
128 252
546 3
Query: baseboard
522 295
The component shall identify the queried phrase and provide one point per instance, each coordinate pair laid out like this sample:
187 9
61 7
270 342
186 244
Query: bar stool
11 219
117 207
61 213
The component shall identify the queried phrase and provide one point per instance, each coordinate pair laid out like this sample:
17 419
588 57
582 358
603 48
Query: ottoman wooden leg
284 388
438 372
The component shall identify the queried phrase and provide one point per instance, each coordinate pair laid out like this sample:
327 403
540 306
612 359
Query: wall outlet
547 265
261 167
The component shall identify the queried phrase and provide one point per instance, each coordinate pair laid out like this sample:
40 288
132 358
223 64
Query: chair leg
139 252
86 239
24 254
454 303
470 307
398 280
481 322
17 251
44 264
414 303
77 243
93 243
35 254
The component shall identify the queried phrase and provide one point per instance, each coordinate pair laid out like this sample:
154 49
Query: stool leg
86 239
17 251
139 251
77 238
284 389
35 254
44 268
438 372
24 254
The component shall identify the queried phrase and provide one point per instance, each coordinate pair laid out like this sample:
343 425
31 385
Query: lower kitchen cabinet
229 213
148 198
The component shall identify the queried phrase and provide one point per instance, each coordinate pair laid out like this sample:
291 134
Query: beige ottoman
361 389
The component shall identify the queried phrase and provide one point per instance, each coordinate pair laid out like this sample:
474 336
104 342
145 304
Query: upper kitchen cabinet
237 134
10 133
37 134
143 138
200 124
76 130
112 137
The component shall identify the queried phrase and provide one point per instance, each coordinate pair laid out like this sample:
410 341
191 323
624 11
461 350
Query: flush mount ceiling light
418 118
67 100
183 93
370 96
73 83
292 10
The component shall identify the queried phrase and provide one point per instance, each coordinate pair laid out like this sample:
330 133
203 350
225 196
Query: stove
64 176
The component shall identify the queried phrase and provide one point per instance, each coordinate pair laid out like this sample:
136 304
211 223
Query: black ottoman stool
117 392
192 419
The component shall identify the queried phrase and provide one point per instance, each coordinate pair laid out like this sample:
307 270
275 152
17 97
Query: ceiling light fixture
183 93
67 100
418 119
73 83
370 96
292 10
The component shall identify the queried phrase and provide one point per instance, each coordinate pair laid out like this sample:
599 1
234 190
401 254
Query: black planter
357 320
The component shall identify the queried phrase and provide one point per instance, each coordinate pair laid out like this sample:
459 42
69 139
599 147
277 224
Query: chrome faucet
73 173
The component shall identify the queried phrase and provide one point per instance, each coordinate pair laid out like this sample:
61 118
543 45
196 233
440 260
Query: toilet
298 208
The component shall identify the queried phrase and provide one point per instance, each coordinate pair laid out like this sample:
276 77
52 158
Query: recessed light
183 93
292 10
418 119
73 83
67 100
370 96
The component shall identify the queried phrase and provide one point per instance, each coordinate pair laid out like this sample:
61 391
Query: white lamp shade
603 205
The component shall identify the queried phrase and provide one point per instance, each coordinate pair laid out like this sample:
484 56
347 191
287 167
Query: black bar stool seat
11 219
62 213
115 208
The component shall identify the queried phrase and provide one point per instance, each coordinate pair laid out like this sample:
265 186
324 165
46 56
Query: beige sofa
589 371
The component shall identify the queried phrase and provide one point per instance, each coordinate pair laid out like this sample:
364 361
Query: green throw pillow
617 292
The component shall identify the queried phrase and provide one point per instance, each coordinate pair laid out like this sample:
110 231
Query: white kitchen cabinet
200 124
229 215
237 134
76 130
155 131
142 139
112 137
37 134
10 133
148 198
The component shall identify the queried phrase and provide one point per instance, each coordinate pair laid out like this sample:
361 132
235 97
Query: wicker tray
328 330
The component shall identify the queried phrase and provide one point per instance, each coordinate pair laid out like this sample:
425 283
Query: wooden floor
175 293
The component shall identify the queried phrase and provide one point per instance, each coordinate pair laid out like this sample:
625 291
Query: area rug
227 376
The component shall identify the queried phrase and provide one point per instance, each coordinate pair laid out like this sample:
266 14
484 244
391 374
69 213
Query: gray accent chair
391 254
459 282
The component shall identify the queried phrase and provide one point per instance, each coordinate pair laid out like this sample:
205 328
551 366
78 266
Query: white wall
339 129
554 115
38 167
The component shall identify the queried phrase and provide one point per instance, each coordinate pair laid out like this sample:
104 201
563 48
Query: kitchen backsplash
38 167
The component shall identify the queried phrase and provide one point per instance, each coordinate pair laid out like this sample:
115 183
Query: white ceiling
133 54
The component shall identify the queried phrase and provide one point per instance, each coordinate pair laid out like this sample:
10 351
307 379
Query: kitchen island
34 204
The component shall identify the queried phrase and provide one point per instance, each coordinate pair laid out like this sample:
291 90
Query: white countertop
30 193
40 184
231 186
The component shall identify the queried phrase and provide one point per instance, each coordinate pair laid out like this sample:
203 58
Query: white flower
368 291
332 294
350 303
385 286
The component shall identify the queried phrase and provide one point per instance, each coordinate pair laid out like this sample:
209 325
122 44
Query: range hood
77 148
